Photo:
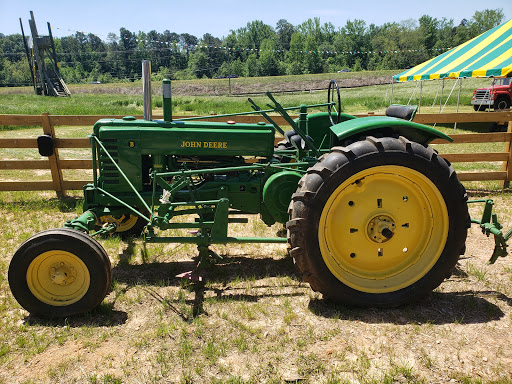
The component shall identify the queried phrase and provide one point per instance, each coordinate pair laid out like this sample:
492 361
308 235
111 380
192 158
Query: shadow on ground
467 307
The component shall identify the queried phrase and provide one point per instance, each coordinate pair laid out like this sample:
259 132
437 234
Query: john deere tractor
374 216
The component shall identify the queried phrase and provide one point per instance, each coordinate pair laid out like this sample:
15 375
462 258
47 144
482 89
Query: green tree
252 65
128 44
313 28
312 58
445 34
485 20
198 64
428 31
253 34
284 31
294 57
355 41
269 63
216 56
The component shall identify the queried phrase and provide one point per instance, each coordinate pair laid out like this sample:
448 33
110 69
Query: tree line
256 49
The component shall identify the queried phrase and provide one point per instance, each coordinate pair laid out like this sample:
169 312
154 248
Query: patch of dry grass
253 320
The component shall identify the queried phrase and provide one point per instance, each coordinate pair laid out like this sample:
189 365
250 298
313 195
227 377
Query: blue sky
220 16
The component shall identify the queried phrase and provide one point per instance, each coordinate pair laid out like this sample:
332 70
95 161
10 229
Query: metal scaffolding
42 61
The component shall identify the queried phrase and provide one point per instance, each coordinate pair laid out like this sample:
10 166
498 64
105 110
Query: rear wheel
380 222
60 272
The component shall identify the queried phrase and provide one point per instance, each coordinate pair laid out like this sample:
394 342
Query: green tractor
374 216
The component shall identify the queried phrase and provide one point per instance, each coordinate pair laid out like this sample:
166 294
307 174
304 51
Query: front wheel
381 222
59 273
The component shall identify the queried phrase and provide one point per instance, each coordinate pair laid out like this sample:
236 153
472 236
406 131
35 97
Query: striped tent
489 54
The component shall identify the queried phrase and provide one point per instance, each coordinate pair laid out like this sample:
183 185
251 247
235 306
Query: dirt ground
238 87
254 321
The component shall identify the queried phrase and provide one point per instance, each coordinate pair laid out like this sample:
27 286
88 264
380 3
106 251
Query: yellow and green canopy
489 54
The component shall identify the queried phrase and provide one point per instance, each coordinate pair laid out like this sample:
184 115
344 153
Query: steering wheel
334 102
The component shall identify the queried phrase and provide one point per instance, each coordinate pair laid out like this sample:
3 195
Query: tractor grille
108 172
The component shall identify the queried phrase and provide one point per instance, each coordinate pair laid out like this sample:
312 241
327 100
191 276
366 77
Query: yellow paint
479 73
468 54
204 144
477 48
123 223
505 71
500 59
448 55
58 278
488 52
414 69
352 224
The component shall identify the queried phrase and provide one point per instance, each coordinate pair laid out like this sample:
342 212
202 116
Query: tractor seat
405 112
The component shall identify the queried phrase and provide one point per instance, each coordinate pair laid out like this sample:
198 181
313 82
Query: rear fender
387 126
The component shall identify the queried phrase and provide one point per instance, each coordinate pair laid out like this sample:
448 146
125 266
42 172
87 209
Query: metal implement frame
490 225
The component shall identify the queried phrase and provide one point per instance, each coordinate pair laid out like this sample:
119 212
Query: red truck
497 96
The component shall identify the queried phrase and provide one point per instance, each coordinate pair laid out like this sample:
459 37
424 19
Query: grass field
360 92
253 320
205 97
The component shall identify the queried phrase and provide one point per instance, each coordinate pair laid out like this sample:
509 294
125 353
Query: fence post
507 166
49 129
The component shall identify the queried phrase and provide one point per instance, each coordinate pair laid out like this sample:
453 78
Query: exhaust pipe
146 89
167 99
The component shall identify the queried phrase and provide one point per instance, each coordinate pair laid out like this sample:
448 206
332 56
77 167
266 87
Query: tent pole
421 91
458 100
435 98
441 99
492 90
413 93
391 98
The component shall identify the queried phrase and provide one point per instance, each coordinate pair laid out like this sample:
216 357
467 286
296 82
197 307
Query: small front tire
59 273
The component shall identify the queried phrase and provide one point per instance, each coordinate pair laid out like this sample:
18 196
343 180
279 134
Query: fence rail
60 185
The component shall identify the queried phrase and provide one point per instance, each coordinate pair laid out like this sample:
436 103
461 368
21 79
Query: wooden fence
56 165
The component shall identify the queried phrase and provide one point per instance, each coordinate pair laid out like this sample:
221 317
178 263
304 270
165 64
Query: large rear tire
59 273
381 222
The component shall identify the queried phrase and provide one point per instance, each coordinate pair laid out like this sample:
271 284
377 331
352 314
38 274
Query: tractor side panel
124 146
208 142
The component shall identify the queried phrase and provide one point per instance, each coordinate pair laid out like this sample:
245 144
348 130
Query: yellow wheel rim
123 224
58 278
383 229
